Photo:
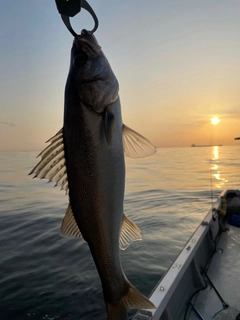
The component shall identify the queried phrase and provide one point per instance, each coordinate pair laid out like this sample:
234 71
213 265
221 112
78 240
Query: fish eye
80 60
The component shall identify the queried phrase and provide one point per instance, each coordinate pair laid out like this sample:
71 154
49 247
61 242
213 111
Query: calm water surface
44 276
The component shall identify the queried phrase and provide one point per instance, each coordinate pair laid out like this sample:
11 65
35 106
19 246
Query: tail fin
132 300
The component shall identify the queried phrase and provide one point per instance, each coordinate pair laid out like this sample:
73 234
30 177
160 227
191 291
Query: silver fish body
86 157
96 177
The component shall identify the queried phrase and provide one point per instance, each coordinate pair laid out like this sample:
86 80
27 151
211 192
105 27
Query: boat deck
204 281
224 274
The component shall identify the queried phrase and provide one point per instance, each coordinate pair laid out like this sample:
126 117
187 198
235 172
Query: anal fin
69 227
129 233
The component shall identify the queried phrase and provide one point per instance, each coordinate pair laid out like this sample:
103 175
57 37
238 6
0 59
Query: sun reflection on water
216 170
215 153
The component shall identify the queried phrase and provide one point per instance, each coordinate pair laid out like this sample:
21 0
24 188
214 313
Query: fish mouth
88 38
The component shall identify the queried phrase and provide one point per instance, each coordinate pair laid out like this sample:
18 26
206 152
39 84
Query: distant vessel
206 145
238 138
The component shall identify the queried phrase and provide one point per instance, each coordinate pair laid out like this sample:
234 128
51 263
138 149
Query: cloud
8 124
232 113
195 121
203 119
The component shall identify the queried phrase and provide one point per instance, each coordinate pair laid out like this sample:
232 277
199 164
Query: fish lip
88 38
85 32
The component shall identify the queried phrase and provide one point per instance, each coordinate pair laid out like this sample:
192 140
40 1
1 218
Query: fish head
95 81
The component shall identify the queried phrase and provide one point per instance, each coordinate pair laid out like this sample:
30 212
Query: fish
86 159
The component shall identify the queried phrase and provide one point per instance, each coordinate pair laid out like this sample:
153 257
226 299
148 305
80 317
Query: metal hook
70 8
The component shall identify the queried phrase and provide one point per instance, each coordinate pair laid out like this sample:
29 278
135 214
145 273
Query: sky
177 63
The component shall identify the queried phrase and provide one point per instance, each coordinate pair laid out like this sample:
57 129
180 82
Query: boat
205 145
238 138
204 280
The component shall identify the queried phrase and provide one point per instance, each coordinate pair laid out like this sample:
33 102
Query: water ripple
44 276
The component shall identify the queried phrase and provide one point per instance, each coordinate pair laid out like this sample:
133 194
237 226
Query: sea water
45 276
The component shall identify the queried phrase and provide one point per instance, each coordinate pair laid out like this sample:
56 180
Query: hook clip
69 8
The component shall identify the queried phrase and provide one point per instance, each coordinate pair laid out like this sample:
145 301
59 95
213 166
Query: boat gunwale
165 288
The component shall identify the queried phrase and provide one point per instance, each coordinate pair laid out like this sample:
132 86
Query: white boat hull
206 273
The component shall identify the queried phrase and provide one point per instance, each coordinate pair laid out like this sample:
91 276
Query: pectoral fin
109 126
52 165
135 145
129 233
69 227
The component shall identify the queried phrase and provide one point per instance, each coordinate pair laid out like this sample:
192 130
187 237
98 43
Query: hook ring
85 5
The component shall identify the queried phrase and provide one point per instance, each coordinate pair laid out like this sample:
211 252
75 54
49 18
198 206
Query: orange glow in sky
177 64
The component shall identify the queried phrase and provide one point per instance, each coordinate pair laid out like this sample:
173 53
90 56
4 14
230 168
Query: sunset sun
215 121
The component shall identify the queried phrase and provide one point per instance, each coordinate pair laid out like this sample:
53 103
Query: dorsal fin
52 165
